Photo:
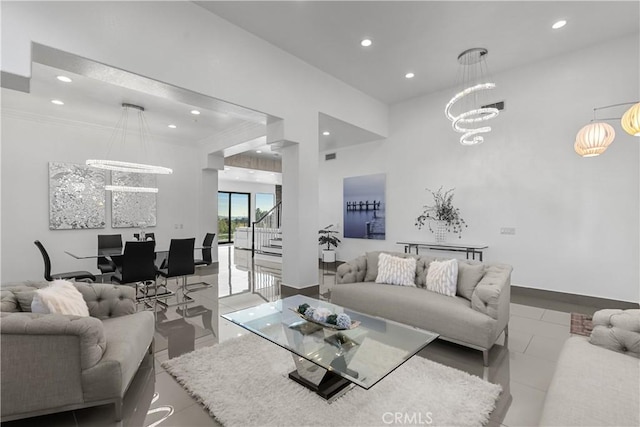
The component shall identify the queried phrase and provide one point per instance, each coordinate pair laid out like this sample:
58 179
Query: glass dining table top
363 355
108 252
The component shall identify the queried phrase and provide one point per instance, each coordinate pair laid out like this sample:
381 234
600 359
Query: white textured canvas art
133 209
76 197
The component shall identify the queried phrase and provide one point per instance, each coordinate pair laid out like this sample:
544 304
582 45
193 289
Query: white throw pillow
396 271
61 297
442 277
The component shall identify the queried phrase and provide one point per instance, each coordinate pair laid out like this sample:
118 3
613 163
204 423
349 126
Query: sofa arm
486 297
352 271
106 301
617 330
88 330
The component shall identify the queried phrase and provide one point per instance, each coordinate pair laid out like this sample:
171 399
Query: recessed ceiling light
57 102
227 169
258 151
64 79
195 112
252 172
366 42
172 126
559 24
326 133
409 75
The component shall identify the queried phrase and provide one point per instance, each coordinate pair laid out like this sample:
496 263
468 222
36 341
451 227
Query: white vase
440 231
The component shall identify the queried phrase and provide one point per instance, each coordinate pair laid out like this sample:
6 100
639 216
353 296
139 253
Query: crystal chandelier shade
120 133
470 121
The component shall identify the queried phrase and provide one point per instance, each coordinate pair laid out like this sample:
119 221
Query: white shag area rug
244 382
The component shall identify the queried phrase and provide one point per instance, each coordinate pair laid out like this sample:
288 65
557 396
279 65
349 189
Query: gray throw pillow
24 299
468 277
372 266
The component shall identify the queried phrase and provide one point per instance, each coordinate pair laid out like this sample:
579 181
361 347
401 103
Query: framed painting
364 207
76 196
129 209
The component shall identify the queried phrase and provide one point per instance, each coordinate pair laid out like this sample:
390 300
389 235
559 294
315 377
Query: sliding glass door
233 212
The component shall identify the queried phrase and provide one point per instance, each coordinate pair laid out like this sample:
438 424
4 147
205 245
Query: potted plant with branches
442 215
328 236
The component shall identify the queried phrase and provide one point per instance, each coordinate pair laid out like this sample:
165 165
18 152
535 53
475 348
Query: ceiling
424 37
99 102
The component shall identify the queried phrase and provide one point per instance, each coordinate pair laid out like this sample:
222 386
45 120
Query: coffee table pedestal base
325 383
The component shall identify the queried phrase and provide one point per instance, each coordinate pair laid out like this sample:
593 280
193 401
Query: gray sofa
53 362
476 322
597 378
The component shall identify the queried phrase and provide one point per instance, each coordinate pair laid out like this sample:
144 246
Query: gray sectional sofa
597 378
476 319
53 362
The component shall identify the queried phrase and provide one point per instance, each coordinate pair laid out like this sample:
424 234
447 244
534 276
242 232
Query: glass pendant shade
593 139
631 120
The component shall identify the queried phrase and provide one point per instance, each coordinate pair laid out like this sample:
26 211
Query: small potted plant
328 237
445 217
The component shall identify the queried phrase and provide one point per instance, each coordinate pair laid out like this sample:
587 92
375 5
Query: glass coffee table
330 361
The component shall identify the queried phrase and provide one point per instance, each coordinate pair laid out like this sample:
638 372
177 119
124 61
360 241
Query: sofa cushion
25 298
128 338
452 317
61 297
468 277
396 271
372 263
105 301
9 301
617 330
442 277
592 386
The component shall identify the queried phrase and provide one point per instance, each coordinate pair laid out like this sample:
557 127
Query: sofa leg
119 410
506 331
485 357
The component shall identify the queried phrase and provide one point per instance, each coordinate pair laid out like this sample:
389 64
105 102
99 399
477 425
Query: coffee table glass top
363 355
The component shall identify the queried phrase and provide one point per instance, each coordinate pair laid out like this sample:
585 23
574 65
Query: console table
469 250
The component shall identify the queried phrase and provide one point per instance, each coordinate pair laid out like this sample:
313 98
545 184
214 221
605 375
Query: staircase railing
270 224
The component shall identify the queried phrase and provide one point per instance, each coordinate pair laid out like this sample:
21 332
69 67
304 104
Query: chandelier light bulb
593 139
630 121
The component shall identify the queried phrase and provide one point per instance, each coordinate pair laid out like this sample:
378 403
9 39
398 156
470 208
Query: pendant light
120 133
631 120
475 80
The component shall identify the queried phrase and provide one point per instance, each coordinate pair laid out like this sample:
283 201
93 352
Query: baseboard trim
584 300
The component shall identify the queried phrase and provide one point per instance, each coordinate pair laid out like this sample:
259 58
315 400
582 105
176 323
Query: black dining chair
146 236
206 250
138 267
109 241
48 276
180 264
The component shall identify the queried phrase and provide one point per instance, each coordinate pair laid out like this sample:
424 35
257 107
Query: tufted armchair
53 362
597 378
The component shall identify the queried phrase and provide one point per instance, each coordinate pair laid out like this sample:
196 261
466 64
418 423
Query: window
233 212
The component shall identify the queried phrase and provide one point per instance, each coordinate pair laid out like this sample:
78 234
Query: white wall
181 44
28 144
576 219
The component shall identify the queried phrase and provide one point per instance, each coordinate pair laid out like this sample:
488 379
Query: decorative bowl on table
325 318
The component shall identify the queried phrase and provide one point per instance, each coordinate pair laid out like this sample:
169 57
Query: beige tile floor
524 367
